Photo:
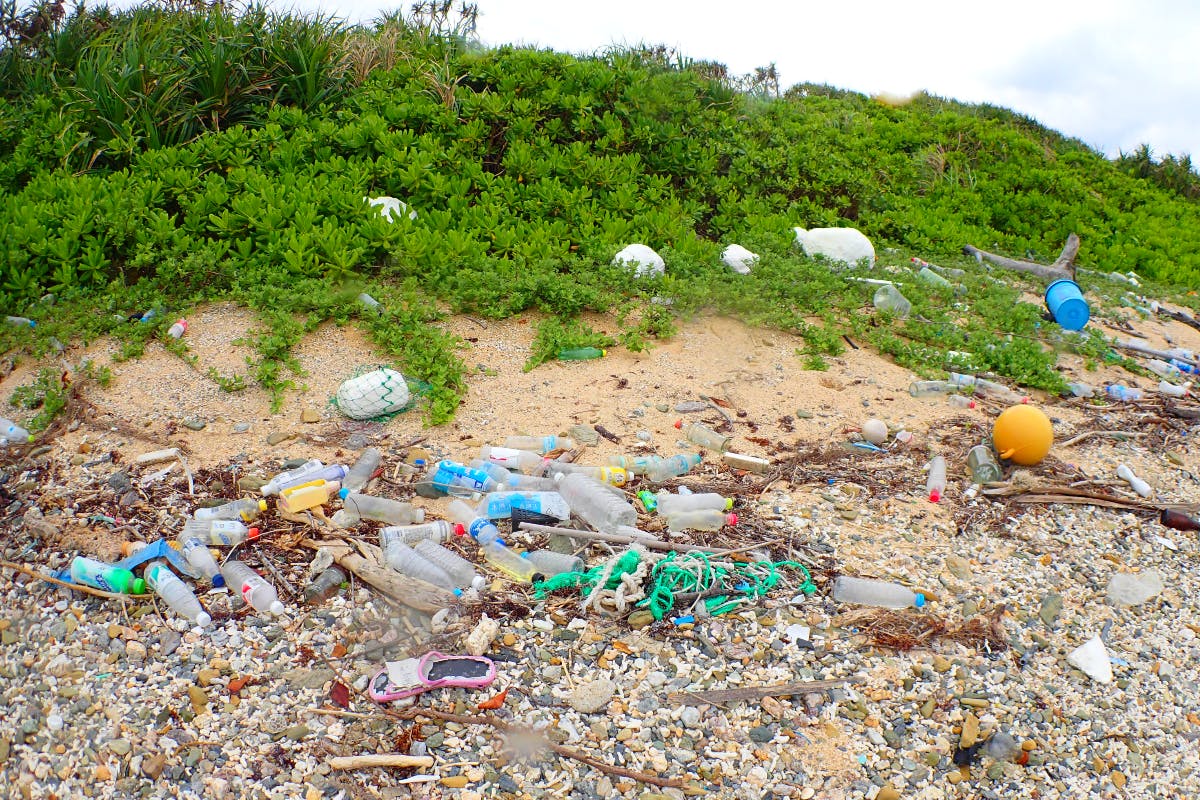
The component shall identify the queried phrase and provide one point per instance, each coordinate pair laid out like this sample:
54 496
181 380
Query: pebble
278 437
120 746
310 415
590 697
194 424
1051 607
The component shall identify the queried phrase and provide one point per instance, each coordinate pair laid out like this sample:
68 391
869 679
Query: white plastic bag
390 208
372 394
739 259
643 259
846 245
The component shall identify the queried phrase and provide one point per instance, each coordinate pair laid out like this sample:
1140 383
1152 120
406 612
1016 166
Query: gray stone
593 696
194 424
762 733
120 746
1050 609
169 642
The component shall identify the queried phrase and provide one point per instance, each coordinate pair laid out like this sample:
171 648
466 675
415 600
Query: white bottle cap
203 619
277 608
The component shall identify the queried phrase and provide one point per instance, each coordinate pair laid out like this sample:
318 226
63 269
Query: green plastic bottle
98 575
580 354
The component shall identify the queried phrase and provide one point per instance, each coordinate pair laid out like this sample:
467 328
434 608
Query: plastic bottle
498 505
959 401
448 474
882 594
23 322
334 473
196 554
529 483
178 329
935 484
226 532
1164 369
509 562
931 388
633 465
539 444
998 391
550 563
292 477
245 510
759 466
408 561
933 279
175 593
959 379
480 528
703 519
1137 484
1002 747
983 465
437 530
1081 390
673 503
672 467
368 302
325 585
461 572
360 473
1171 390
613 476
703 436
515 460
356 507
254 588
594 504
1183 366
581 354
889 298
1123 393
12 433
106 577
299 498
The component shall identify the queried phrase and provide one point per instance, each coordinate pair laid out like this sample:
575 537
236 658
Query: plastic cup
1066 304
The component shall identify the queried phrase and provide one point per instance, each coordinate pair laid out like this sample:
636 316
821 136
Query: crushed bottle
539 444
408 561
461 572
550 563
594 504
672 467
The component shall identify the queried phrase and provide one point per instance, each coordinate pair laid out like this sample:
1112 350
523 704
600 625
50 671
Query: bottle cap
252 533
277 608
732 519
342 493
935 495
728 503
218 580
679 424
459 529
262 505
138 586
203 619
919 600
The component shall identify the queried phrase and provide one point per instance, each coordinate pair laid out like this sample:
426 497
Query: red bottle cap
679 424
459 529
935 496
732 519
252 533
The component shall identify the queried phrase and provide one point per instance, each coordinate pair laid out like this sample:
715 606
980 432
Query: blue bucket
1066 304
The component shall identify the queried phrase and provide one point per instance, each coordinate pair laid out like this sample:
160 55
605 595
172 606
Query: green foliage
555 335
47 393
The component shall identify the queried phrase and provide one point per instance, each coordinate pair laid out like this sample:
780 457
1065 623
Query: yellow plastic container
1023 435
303 498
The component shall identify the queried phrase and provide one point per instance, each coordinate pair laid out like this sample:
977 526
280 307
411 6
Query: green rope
627 563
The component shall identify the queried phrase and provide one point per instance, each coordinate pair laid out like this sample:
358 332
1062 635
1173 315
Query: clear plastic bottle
983 465
325 585
935 483
958 401
549 563
759 466
448 474
253 587
1081 390
613 476
515 460
356 507
408 561
106 577
933 279
307 495
959 379
889 298
672 503
998 392
226 532
498 505
509 562
21 322
480 528
882 594
1137 484
703 519
672 467
462 572
539 444
175 593
594 504
369 303
12 433
931 388
1122 393
196 554
437 530
1171 390
333 474
246 510
634 465
292 477
494 471
581 354
1164 369
177 329
703 436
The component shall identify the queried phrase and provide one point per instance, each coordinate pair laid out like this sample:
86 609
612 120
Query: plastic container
539 444
703 436
935 482
931 388
306 496
634 465
933 279
515 460
106 577
889 298
983 465
292 477
1065 301
246 510
325 585
175 593
759 466
196 554
1137 484
363 469
253 587
549 563
480 528
958 401
408 561
509 562
12 433
20 322
178 329
1122 393
703 519
1081 390
461 572
881 594
581 354
226 532
594 504
357 507
437 530
449 474
499 505
1171 390
672 467
673 503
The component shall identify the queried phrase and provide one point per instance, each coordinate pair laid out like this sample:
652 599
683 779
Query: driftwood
380 760
756 692
1062 269
1180 316
412 592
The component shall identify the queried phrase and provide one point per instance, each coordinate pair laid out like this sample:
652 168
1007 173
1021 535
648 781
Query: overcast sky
1113 73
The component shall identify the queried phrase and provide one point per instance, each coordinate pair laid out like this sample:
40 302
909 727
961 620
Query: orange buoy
1023 435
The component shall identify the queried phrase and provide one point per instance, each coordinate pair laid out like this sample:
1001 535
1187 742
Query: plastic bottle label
478 526
451 474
